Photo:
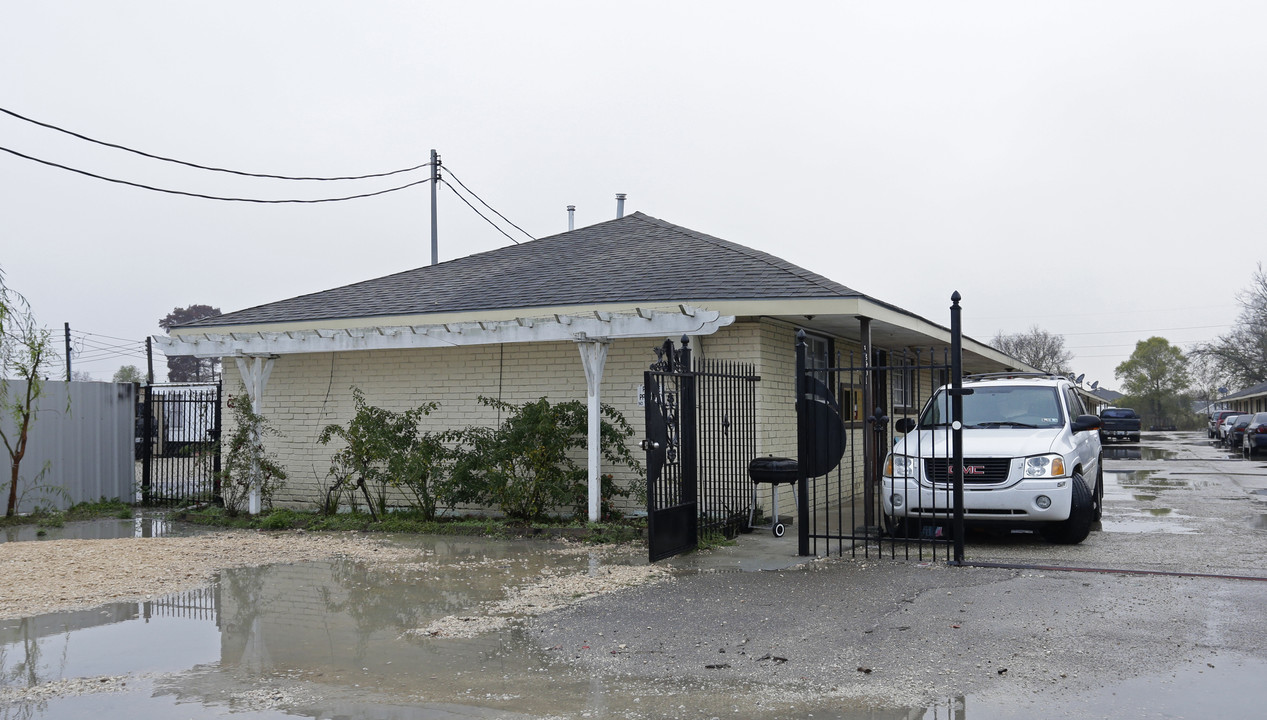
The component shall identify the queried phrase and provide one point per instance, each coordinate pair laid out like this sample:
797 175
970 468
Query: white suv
1031 459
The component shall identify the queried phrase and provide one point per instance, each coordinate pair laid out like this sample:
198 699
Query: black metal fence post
802 450
215 434
956 419
689 428
147 443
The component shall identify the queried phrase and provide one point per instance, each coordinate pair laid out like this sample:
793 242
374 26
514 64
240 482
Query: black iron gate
178 444
860 398
701 434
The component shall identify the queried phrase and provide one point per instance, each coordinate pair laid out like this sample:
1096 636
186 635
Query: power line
207 167
477 212
108 337
446 169
1115 332
212 197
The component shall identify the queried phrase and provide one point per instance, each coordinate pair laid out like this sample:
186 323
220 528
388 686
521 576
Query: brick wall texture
307 392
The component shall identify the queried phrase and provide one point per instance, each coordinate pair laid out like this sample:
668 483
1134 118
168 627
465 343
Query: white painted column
255 378
594 357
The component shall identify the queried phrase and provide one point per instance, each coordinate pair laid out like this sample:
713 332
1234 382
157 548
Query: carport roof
634 259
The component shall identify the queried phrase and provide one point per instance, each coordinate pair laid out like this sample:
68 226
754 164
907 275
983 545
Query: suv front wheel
1081 515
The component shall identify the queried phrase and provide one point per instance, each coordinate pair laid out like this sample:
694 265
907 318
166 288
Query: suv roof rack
994 375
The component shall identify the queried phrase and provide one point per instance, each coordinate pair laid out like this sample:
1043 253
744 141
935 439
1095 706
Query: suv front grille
977 471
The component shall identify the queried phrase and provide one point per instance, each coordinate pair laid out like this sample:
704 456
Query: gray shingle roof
636 258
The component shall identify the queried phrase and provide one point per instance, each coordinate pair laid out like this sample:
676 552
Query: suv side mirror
904 425
1083 423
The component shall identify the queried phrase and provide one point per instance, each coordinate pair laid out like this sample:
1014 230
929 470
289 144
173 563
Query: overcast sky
1097 168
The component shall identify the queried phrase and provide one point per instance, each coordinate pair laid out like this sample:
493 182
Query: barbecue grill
772 471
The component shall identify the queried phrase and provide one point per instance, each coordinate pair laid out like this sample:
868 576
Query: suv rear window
1118 413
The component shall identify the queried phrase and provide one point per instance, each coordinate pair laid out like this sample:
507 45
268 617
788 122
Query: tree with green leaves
129 374
1156 374
1037 348
187 368
25 350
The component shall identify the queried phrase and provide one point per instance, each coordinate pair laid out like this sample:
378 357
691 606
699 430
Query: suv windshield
999 406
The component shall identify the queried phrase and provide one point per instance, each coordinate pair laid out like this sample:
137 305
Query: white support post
255 378
594 357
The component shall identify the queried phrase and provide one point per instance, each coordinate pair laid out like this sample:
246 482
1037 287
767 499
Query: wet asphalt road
1157 620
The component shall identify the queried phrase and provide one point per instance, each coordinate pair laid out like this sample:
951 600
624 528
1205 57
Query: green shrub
246 463
525 467
385 450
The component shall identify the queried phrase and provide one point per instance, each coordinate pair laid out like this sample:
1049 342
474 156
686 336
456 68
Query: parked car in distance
1255 437
1216 419
1236 433
1225 426
1121 424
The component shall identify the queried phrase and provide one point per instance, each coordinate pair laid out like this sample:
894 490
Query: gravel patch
57 575
552 591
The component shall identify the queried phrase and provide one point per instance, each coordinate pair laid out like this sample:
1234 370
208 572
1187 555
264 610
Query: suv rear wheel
1081 511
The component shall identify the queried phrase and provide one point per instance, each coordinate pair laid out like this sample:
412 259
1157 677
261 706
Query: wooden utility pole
435 232
67 328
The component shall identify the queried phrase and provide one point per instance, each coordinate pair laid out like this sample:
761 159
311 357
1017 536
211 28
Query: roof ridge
759 255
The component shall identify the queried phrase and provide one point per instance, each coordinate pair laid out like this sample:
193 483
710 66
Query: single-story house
508 323
1249 400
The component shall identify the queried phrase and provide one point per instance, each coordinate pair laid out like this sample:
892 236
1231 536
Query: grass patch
95 510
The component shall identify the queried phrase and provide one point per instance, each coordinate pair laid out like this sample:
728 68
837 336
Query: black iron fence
846 416
178 443
701 434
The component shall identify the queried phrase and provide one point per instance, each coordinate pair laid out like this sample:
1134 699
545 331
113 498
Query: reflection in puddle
1259 523
1144 498
143 526
1138 453
1158 512
330 639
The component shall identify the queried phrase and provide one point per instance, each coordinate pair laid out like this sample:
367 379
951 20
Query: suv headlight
901 466
1044 466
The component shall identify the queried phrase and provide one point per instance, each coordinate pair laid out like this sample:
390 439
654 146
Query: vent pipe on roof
571 218
620 205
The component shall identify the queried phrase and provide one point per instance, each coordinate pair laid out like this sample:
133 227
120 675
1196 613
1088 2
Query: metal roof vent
620 205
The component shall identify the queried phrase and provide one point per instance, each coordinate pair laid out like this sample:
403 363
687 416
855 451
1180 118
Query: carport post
255 377
594 357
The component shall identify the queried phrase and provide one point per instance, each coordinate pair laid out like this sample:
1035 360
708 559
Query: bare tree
1240 356
24 351
1036 347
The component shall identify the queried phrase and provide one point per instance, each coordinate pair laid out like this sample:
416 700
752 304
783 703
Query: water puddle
1138 453
102 529
1142 525
332 639
1259 523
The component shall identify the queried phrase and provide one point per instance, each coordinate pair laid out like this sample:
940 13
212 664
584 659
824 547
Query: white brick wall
307 392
